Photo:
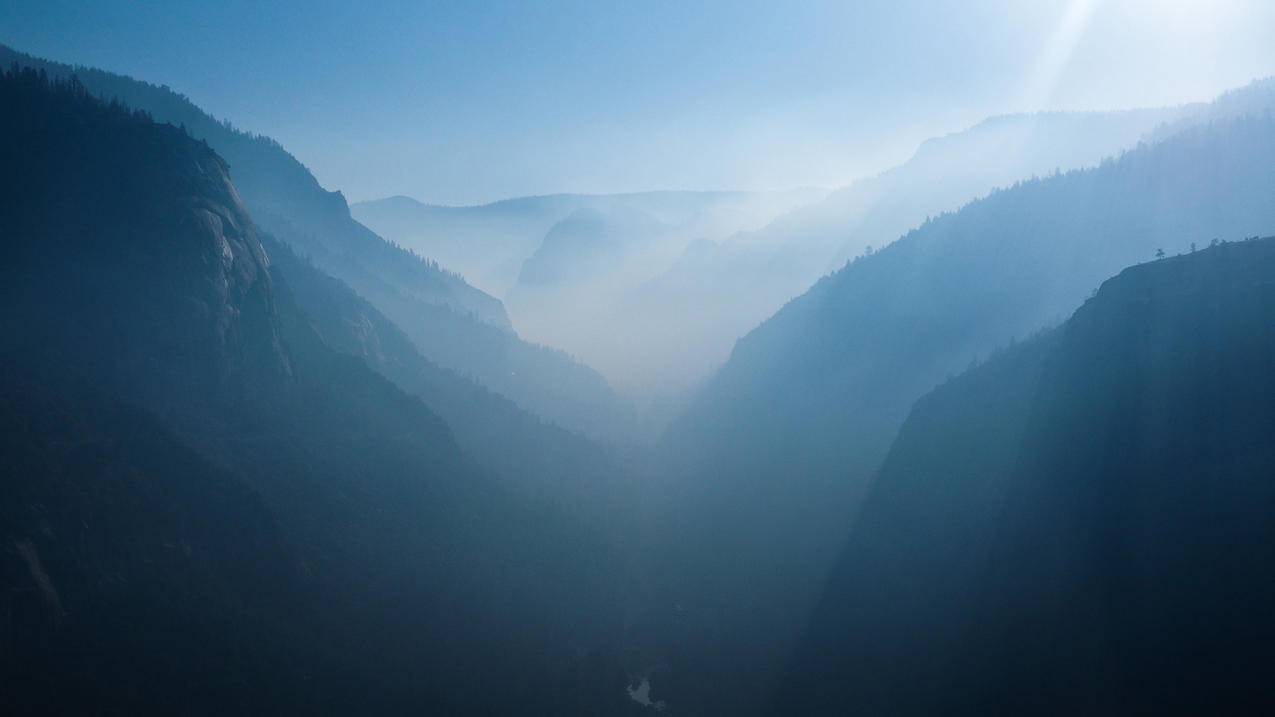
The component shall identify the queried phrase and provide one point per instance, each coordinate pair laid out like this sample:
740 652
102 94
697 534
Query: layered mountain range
1080 524
449 321
653 289
778 449
208 506
490 243
1011 458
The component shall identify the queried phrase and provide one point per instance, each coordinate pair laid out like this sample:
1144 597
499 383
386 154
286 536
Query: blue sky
466 102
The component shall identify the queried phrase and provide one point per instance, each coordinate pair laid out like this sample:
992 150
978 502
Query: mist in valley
906 358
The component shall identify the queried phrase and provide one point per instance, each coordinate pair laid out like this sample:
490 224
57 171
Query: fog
586 359
653 289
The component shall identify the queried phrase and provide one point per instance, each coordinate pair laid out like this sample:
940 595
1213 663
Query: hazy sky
473 101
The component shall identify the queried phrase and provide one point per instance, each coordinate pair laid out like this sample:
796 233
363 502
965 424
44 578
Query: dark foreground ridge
206 509
1081 525
449 322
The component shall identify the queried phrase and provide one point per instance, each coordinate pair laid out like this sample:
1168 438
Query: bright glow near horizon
455 102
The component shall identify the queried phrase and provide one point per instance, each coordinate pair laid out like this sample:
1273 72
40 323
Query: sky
467 102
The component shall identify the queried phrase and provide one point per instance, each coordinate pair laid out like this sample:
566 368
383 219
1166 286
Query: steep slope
193 456
1080 525
572 271
900 602
132 563
135 573
1001 267
721 294
778 448
286 199
450 322
537 457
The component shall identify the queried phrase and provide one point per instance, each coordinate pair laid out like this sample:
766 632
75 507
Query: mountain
1003 266
540 458
488 243
287 200
1082 524
450 322
778 448
717 293
658 325
570 292
585 245
208 506
1254 99
950 171
572 270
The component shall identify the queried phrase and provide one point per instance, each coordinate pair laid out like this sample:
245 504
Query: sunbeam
1054 57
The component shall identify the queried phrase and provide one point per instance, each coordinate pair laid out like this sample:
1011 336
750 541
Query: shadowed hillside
779 447
537 457
214 508
1081 525
984 429
450 322
720 291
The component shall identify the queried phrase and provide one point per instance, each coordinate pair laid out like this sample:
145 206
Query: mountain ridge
781 444
229 511
1099 490
451 322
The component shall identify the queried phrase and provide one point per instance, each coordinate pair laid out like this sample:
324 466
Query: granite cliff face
135 303
159 267
205 504
449 321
